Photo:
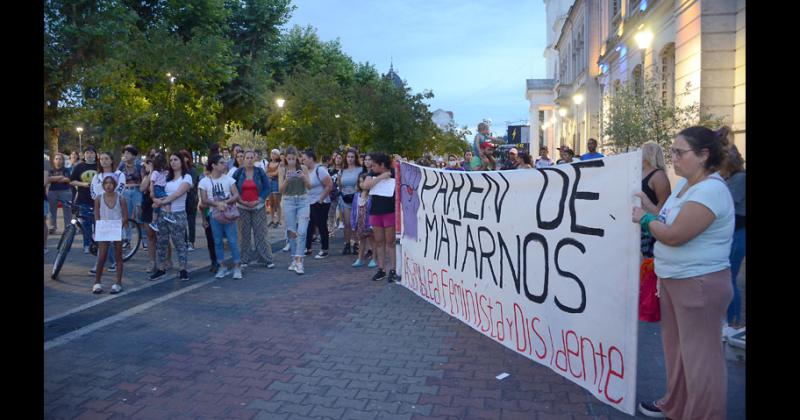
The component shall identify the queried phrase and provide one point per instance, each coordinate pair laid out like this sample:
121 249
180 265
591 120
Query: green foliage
637 114
248 139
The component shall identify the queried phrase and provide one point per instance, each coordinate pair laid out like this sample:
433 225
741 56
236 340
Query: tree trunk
54 133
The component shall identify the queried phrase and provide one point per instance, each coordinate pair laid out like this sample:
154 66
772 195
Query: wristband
645 220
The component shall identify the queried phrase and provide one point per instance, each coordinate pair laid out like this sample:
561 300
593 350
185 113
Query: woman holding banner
693 230
381 185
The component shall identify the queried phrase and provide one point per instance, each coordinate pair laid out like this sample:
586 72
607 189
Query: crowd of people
240 196
694 234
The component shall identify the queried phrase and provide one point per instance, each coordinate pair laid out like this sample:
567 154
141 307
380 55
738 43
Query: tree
248 139
637 113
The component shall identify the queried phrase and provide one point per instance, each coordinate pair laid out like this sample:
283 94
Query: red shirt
249 190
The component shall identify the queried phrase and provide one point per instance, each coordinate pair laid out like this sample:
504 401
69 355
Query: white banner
108 230
545 261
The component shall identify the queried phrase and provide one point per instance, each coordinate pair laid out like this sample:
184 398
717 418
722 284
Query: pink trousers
692 313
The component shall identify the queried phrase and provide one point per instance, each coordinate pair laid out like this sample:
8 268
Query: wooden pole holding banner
398 228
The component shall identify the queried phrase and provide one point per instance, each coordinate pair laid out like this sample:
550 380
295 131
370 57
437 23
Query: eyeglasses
678 152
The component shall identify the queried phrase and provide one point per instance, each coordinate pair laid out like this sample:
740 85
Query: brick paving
330 344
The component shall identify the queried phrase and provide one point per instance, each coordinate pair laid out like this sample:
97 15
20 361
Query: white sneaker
116 289
237 273
97 288
299 269
113 268
153 226
293 266
86 250
190 248
341 225
286 248
222 272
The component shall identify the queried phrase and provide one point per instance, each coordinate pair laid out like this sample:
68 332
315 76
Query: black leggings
318 218
210 241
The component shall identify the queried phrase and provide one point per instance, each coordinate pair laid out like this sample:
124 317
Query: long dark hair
291 150
381 159
99 166
159 162
170 172
212 160
716 142
357 159
187 155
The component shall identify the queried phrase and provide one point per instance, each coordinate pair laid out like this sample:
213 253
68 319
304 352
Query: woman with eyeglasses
693 232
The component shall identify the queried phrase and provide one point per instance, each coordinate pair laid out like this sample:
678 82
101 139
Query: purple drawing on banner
410 177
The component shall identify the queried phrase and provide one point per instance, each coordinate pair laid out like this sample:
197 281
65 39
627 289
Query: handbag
649 305
230 214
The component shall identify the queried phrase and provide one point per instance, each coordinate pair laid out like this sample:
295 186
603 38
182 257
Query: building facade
603 44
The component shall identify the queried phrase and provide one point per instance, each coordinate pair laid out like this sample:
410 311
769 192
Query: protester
593 154
544 161
147 215
488 162
381 213
471 162
191 199
105 168
179 182
525 160
655 185
158 183
218 192
238 162
81 177
335 171
134 172
452 163
109 206
735 175
253 186
294 183
46 211
275 196
694 231
348 183
320 185
206 211
359 219
512 161
58 179
566 155
232 157
481 138
74 160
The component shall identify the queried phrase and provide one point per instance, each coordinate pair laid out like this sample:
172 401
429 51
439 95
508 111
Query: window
614 5
638 82
667 74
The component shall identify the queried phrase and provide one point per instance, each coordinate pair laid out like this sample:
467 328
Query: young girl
359 219
109 206
159 181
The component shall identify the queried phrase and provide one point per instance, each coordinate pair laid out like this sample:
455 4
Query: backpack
334 194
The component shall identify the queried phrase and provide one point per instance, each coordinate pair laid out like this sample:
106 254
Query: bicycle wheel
131 245
63 249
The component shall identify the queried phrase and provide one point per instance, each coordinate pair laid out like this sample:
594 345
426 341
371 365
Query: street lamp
578 99
337 115
280 102
644 38
80 140
562 112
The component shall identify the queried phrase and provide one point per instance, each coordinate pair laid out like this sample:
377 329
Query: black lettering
489 182
454 223
470 247
514 273
487 255
430 225
444 237
557 221
441 191
534 237
457 190
582 306
583 195
472 189
426 187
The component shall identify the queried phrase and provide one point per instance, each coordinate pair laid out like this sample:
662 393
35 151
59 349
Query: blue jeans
133 197
296 212
737 255
228 230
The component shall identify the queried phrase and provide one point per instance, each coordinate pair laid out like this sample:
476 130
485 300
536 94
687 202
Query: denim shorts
273 185
46 208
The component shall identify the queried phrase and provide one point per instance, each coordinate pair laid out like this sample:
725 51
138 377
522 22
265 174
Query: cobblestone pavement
327 344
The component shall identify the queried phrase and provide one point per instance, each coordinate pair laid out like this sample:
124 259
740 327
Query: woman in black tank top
655 185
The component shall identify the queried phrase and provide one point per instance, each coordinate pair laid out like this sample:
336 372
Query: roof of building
394 77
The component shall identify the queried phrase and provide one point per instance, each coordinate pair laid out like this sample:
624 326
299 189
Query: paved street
276 345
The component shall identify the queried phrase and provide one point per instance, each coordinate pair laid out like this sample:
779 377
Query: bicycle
129 246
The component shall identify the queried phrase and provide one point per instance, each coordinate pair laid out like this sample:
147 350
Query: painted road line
66 338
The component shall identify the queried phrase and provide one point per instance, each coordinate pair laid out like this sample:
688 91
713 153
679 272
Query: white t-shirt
217 189
97 183
232 171
708 252
317 186
180 203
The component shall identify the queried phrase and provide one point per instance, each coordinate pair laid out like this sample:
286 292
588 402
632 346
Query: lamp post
280 102
80 140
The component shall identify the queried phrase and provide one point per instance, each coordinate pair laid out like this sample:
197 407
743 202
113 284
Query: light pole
80 142
280 102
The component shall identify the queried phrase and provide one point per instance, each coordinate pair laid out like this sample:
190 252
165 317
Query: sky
475 55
